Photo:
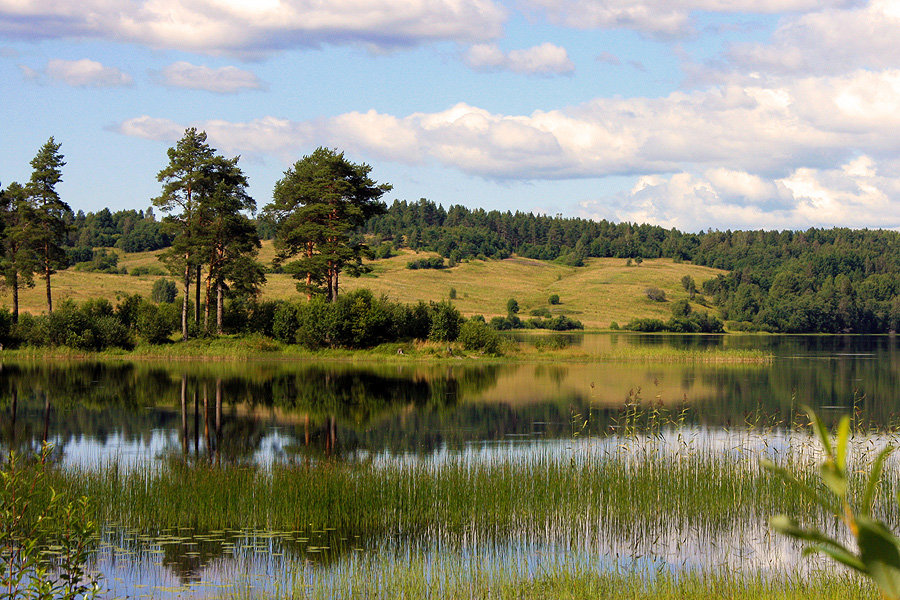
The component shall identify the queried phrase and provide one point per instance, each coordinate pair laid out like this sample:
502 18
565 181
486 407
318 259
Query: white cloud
660 18
230 26
545 59
86 73
827 41
224 80
853 195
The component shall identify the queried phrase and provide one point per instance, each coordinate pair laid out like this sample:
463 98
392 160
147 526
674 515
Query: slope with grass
603 291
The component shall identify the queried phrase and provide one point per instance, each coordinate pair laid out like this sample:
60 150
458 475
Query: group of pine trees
33 225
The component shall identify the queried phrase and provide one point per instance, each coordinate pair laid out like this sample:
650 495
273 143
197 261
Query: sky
695 114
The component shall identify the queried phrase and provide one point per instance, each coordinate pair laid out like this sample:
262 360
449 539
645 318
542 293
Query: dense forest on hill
818 280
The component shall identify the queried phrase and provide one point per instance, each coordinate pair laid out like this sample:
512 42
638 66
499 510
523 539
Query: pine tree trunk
206 309
15 290
49 297
184 305
220 307
329 276
336 272
197 300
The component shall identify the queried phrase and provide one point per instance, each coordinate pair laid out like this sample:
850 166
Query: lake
607 414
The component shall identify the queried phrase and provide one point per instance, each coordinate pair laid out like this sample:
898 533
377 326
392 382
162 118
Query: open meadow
605 290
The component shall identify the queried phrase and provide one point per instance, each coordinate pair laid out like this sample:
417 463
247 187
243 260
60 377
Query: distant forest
818 280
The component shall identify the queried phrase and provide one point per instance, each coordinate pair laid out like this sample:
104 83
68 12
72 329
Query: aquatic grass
457 578
630 485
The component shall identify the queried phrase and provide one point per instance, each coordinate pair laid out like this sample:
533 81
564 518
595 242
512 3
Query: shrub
512 307
138 271
681 308
655 294
164 290
553 299
614 326
445 322
453 293
285 323
157 322
426 263
476 335
540 312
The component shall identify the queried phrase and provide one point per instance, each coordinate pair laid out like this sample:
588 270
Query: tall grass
623 487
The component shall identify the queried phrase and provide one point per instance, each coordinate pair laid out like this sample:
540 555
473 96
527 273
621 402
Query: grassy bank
241 347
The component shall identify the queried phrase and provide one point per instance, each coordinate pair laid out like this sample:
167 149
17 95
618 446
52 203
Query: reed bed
630 482
457 578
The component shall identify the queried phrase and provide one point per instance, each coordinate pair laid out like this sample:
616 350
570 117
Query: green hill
602 291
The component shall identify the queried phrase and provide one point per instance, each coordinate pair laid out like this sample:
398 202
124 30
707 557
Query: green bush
540 312
553 299
426 263
681 308
476 335
445 322
512 306
138 271
157 322
285 323
164 290
655 294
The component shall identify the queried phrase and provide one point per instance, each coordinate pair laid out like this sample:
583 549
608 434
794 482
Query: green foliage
614 326
164 290
452 294
475 334
553 299
695 322
426 263
157 322
681 308
285 323
655 294
540 312
445 322
512 307
45 538
317 207
877 551
142 270
102 261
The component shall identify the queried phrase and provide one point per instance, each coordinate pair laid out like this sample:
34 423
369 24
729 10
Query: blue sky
693 114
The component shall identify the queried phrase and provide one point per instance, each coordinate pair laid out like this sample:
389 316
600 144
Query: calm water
285 411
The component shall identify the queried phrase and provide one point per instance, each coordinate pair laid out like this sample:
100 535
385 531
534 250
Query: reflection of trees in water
225 416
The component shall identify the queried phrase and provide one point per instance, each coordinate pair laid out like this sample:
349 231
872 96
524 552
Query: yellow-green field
602 291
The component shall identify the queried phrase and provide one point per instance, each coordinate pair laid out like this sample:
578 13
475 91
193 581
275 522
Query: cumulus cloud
770 131
853 195
86 73
827 41
545 59
224 80
660 18
237 27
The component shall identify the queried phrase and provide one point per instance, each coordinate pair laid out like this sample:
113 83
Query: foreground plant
45 540
878 550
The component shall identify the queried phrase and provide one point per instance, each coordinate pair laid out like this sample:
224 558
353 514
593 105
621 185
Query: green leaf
872 483
879 550
834 478
843 441
806 490
820 430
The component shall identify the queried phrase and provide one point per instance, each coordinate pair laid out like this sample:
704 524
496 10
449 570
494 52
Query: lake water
135 413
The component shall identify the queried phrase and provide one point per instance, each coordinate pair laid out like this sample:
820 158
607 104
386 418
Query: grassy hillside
604 290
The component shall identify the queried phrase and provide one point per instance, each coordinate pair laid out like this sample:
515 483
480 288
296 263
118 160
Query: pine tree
318 205
50 212
183 181
19 260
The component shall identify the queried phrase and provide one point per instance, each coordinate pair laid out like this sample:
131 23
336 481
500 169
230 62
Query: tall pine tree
318 205
50 212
